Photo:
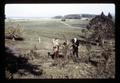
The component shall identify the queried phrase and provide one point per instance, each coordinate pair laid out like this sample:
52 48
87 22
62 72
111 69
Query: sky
50 10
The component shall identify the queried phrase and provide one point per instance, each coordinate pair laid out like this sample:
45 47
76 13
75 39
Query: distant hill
72 16
58 17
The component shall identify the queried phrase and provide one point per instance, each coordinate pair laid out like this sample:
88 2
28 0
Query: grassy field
47 29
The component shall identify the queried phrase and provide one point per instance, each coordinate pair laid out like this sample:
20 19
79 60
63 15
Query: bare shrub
14 32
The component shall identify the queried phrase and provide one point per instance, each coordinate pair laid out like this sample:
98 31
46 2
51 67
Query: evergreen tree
102 14
109 15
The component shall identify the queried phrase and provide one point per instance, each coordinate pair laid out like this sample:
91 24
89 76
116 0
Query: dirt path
66 24
69 25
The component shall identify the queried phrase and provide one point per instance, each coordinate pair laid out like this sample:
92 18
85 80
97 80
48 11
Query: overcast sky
50 10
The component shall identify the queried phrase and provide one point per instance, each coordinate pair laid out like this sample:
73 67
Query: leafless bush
14 32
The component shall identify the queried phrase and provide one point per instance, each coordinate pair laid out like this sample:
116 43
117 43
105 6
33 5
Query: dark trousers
75 51
56 51
56 54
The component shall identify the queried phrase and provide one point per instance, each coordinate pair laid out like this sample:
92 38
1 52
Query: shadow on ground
15 63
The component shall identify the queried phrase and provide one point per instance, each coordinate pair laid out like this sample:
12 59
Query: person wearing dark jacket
75 44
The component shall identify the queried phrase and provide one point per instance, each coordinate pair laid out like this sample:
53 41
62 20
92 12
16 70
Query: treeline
88 15
75 16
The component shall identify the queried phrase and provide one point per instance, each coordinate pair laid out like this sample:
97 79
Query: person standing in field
75 44
65 49
39 40
55 47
